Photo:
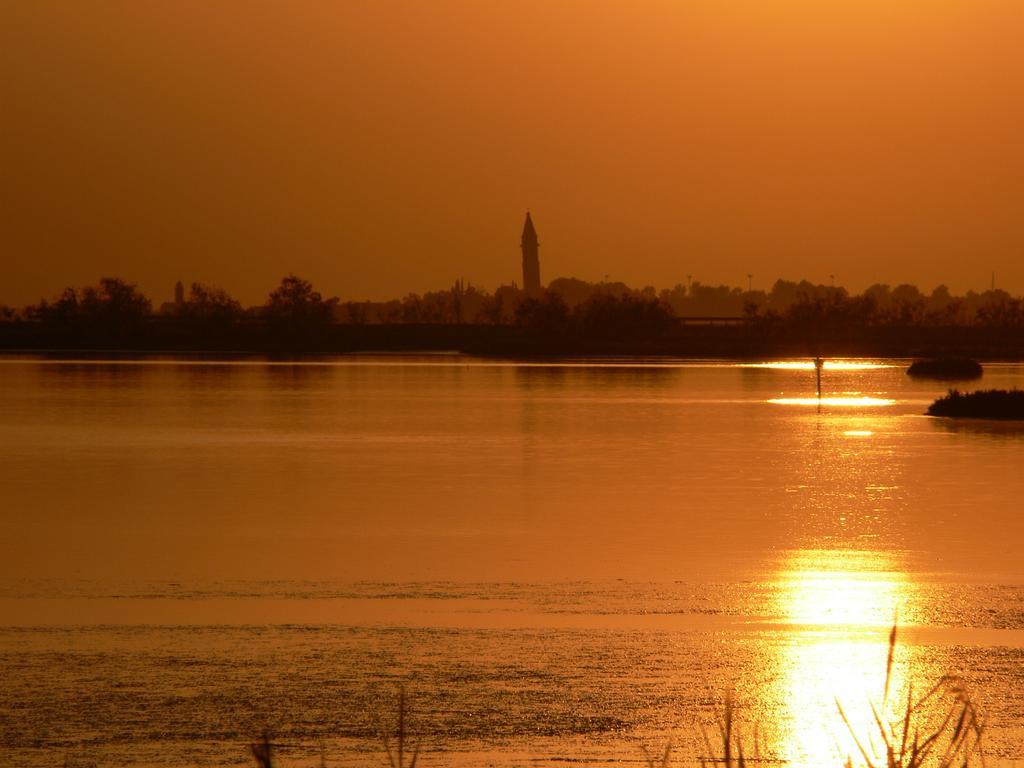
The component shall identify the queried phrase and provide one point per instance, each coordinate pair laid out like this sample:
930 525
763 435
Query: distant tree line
118 303
569 305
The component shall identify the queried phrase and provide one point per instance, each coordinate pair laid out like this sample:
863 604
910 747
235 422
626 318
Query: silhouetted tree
908 305
114 301
492 310
510 297
295 303
113 304
390 312
455 305
61 311
210 304
436 307
675 298
997 308
713 300
411 308
572 290
355 312
623 317
549 313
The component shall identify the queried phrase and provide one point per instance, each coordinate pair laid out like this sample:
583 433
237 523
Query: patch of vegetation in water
985 404
946 368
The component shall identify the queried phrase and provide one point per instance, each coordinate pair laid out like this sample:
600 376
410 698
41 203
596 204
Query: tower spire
531 260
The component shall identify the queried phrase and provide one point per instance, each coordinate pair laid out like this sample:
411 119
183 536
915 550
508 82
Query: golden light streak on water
844 603
808 365
863 401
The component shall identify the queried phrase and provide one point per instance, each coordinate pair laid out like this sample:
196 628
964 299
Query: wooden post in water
818 365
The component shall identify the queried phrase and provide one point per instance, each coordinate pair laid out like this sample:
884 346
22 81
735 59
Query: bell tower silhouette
531 261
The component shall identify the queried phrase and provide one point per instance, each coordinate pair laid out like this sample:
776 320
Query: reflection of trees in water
297 375
981 429
89 375
538 378
541 377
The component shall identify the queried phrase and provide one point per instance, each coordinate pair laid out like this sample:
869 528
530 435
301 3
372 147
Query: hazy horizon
381 148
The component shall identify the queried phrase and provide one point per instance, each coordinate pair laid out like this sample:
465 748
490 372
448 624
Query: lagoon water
559 561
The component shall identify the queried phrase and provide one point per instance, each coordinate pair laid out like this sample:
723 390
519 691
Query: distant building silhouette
531 261
178 305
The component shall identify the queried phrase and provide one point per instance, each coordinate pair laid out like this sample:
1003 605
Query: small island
949 368
986 404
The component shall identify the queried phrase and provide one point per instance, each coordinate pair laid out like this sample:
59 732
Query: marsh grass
733 752
664 762
263 752
941 729
396 758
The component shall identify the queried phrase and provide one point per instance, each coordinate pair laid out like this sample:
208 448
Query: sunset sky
379 147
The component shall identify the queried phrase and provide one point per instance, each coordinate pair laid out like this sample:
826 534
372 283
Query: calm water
568 561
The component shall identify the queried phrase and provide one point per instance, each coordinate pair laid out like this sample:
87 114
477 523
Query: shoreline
743 341
621 359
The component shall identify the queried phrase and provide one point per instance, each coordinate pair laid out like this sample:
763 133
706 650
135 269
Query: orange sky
378 147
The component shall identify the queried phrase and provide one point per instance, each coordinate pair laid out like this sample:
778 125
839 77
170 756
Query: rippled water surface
567 561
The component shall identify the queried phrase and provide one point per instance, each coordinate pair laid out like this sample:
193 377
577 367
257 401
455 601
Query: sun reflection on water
843 604
861 401
808 365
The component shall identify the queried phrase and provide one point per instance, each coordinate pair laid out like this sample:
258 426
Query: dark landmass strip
946 369
297 320
985 404
736 340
